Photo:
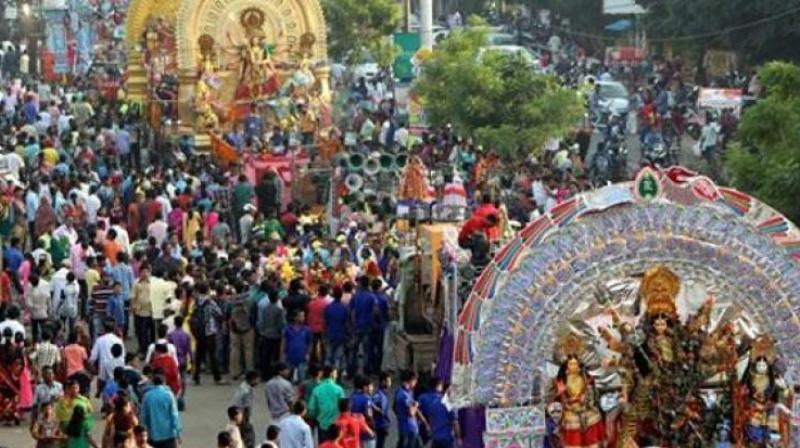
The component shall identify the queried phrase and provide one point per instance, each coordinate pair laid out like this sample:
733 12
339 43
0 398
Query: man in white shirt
295 432
162 339
12 322
401 136
67 230
58 281
93 205
24 64
158 230
102 354
13 163
122 238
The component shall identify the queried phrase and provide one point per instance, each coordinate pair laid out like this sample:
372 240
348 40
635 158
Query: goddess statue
662 364
582 424
258 75
414 183
207 83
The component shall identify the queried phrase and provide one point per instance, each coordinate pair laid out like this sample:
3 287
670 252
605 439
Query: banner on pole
57 41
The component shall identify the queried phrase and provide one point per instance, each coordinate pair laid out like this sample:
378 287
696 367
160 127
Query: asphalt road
686 157
205 416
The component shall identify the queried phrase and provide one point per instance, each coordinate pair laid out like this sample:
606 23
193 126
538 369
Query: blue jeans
409 441
335 356
298 371
363 348
376 351
97 327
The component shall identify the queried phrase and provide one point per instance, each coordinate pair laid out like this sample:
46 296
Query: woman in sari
192 225
121 421
45 220
15 386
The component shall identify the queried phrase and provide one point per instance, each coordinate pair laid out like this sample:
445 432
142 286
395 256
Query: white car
526 54
366 70
498 38
614 97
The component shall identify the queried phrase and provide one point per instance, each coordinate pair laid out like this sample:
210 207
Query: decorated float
662 312
209 64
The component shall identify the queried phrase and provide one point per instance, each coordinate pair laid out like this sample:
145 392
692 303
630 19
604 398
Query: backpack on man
197 321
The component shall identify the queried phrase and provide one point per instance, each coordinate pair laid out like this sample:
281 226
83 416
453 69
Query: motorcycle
694 123
654 150
610 162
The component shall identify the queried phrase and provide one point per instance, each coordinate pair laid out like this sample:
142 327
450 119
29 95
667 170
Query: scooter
654 150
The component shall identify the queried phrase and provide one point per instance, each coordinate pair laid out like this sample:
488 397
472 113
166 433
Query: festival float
202 67
661 312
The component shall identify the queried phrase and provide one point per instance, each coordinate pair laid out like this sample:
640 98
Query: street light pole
426 24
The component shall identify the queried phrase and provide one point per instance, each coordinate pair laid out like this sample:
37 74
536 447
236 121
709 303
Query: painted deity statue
258 73
207 84
674 380
414 183
661 360
581 424
762 390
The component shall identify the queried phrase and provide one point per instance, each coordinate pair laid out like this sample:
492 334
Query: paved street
687 159
203 419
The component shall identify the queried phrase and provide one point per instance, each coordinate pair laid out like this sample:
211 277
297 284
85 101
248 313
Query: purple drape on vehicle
444 359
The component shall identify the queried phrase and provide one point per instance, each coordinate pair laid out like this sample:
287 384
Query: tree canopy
495 97
756 30
356 26
765 160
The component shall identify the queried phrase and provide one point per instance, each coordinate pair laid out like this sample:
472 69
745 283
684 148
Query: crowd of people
126 277
120 285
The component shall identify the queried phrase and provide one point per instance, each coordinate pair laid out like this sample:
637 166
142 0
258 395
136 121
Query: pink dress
25 387
24 274
211 220
175 220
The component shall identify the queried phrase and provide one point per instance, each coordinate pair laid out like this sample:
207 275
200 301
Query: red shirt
473 225
5 288
484 210
316 315
352 426
171 374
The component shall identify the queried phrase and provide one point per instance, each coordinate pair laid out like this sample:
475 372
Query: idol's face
761 366
573 366
660 325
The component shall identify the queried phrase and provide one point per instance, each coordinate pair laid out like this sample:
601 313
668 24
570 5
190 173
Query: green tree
765 160
496 98
756 30
358 26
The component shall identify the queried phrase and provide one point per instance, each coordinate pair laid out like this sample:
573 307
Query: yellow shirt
50 155
92 279
140 299
160 291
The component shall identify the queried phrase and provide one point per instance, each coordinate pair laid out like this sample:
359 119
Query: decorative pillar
323 75
188 79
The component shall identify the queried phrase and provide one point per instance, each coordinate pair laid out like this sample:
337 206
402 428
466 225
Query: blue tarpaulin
619 25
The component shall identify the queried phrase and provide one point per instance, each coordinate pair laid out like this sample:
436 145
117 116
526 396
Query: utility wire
690 37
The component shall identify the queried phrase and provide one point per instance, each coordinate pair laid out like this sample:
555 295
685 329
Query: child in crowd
45 429
234 420
243 399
